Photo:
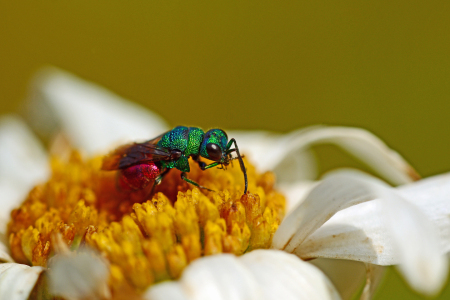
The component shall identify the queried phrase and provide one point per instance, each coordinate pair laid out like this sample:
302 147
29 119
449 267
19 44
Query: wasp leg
210 165
183 176
158 181
241 162
203 165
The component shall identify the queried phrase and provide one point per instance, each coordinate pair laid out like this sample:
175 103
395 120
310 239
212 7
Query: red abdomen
138 176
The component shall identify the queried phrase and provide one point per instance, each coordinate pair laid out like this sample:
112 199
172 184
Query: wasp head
214 146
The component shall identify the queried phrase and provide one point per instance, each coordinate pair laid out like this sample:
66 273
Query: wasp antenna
241 163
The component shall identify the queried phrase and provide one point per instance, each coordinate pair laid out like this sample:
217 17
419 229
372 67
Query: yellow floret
145 240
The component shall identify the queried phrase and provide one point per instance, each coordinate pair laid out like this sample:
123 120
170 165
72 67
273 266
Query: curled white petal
432 196
334 193
260 274
272 151
78 276
17 280
353 233
417 243
93 118
385 231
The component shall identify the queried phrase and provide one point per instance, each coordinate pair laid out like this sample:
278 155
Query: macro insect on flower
140 163
74 206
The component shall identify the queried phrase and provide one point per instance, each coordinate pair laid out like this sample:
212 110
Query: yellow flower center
145 241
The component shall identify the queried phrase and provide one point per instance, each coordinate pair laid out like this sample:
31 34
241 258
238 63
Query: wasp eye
214 151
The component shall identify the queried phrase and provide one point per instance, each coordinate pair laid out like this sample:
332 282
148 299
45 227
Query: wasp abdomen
138 176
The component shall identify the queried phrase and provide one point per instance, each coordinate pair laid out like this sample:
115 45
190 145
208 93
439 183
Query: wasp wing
135 153
155 140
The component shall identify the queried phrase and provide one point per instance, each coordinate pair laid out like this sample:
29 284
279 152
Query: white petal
270 151
336 192
432 196
421 259
4 252
23 164
215 277
93 118
22 157
296 193
385 231
260 274
166 290
219 277
78 276
356 233
17 280
261 146
284 276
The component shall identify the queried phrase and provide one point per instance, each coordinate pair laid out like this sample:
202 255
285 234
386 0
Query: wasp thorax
214 151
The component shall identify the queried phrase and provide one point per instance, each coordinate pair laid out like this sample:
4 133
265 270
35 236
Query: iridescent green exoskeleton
141 163
194 142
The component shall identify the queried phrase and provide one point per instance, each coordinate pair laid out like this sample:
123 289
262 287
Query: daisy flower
66 231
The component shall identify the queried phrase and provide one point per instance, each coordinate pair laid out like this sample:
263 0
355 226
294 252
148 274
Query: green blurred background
268 65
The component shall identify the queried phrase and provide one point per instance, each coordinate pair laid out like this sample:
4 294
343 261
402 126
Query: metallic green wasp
139 164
